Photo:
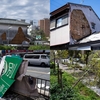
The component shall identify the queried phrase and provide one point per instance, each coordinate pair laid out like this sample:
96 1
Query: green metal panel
5 83
11 66
12 63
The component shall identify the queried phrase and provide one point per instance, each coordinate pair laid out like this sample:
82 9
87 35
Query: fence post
54 61
58 72
60 79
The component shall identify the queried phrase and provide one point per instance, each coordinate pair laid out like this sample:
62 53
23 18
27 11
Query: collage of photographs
49 50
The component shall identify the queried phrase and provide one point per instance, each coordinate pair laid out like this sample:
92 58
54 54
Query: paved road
68 69
39 72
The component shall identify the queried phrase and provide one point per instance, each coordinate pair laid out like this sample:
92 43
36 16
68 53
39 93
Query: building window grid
59 22
62 21
52 24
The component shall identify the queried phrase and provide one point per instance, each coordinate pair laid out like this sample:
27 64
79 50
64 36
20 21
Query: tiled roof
13 21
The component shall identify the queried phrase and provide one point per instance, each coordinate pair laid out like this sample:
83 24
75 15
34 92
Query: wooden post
58 72
60 78
54 61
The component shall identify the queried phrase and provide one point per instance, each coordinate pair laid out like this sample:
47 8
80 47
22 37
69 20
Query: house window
62 21
93 25
52 24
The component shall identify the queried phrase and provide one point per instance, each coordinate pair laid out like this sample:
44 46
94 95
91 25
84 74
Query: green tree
84 56
94 66
62 53
38 32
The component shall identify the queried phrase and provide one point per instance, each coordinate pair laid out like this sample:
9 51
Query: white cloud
25 9
23 2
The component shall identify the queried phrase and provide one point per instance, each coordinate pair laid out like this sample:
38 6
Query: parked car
37 59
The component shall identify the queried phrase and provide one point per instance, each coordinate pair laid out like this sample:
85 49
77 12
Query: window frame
54 20
61 18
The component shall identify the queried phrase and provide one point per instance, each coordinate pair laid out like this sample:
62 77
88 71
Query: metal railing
43 86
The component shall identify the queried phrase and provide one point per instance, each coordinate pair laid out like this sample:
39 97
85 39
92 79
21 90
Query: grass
80 92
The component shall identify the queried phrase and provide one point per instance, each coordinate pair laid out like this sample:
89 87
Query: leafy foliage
39 47
58 94
36 32
2 47
94 66
80 92
62 54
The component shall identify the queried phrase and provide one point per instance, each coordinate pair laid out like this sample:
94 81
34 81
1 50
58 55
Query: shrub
66 92
39 47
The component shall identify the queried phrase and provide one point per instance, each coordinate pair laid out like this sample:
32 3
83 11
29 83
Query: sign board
11 65
5 83
38 37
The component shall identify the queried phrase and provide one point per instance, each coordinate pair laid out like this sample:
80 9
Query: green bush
53 72
62 94
39 47
2 47
52 64
80 92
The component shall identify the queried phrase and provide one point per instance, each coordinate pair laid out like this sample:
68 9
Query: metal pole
54 60
58 72
8 33
8 36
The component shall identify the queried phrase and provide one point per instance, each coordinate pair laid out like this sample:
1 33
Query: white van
37 59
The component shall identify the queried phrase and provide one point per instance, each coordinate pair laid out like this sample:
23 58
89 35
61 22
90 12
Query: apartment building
44 25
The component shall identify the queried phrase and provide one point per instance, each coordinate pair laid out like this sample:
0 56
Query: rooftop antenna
82 1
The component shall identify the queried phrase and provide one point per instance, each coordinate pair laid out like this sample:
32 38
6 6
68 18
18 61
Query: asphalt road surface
39 72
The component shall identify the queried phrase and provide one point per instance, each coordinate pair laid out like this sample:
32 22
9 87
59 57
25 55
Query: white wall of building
29 29
60 36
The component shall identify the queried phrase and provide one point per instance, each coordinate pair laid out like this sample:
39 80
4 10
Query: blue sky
95 4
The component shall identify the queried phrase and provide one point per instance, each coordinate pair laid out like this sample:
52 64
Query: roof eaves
66 6
13 21
16 23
